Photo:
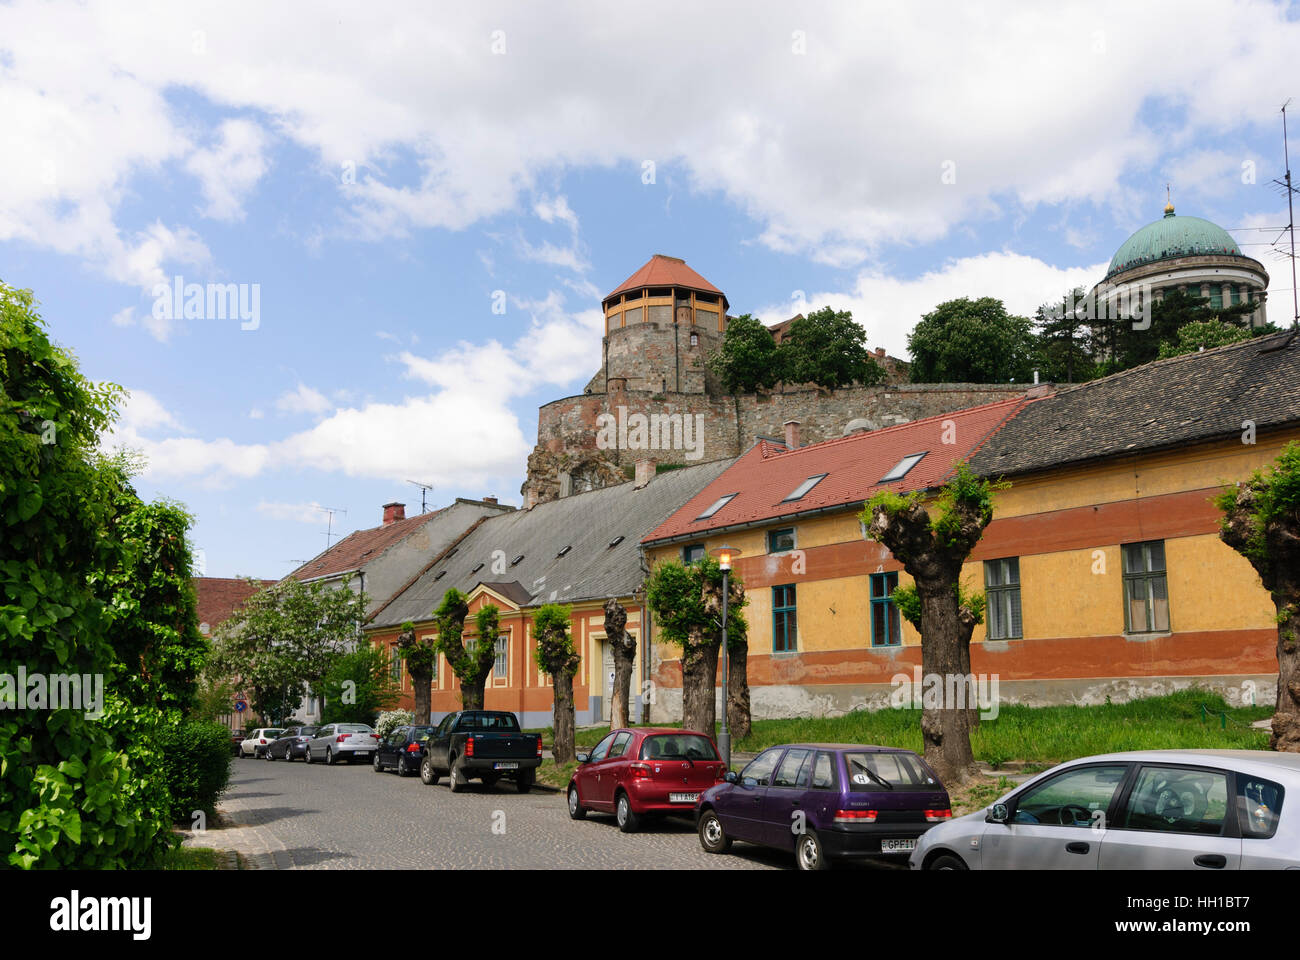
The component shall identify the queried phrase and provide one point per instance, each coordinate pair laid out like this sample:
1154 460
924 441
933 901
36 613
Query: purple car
825 802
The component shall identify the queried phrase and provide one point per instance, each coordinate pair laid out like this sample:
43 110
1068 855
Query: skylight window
799 492
716 506
903 466
477 568
616 541
565 550
441 574
516 560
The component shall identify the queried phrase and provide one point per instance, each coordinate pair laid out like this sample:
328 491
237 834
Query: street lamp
725 555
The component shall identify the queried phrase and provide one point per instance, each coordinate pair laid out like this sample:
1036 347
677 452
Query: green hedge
196 765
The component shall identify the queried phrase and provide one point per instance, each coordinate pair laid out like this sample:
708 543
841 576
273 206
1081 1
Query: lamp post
725 555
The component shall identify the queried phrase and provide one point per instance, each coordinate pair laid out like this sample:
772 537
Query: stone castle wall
656 357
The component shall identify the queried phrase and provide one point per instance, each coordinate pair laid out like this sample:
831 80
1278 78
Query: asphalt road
292 815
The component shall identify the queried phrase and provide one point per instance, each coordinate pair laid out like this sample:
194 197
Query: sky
422 204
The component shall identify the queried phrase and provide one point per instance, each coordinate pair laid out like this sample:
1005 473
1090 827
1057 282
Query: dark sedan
403 749
291 744
825 802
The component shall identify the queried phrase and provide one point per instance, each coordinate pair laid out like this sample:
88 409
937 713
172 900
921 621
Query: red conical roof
664 271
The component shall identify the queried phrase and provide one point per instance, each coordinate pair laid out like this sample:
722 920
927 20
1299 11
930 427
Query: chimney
491 499
394 512
791 434
645 470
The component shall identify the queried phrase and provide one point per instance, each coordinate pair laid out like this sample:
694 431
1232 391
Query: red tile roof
219 597
768 472
664 271
359 548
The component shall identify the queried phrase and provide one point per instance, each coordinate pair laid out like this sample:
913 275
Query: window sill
1144 637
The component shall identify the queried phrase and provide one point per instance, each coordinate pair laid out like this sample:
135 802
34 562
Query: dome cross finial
1169 203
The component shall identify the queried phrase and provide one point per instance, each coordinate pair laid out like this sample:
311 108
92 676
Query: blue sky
378 181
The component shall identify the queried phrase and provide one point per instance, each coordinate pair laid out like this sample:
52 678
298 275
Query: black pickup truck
481 744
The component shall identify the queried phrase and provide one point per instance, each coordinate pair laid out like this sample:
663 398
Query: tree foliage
972 341
746 360
557 657
1202 335
358 686
828 348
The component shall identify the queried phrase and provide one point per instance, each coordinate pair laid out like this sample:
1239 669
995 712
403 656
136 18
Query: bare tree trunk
624 649
563 748
1286 717
945 729
738 718
699 684
966 625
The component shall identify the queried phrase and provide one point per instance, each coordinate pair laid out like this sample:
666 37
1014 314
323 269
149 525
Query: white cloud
230 168
301 512
303 399
888 307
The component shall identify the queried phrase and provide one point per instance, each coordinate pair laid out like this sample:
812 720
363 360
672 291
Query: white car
256 743
1149 809
337 742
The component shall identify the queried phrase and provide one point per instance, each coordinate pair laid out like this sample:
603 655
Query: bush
390 720
196 765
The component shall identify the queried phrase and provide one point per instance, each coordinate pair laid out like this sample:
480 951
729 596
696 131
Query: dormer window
799 492
716 506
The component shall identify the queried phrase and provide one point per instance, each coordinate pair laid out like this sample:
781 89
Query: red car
644 771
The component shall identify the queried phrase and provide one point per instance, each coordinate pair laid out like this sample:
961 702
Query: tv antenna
1290 191
424 488
329 523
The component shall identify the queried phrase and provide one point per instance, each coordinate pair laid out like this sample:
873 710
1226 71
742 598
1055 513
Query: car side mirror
749 782
584 758
731 776
998 813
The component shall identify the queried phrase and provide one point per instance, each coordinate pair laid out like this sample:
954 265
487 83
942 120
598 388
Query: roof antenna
1290 209
329 526
424 488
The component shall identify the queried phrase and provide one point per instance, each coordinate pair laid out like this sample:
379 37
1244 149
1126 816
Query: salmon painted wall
1066 527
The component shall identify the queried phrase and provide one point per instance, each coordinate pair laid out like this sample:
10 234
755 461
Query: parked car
643 772
237 737
291 743
255 744
1148 809
342 743
825 802
403 749
482 744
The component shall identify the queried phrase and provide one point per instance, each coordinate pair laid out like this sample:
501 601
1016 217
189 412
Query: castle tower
660 325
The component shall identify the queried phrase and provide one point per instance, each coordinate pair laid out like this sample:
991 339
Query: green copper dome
1169 237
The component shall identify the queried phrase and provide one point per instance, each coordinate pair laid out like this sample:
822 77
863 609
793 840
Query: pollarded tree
471 662
932 546
623 646
1261 521
970 613
687 603
557 657
421 658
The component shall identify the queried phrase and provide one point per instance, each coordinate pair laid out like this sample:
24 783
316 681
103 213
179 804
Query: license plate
505 766
683 797
363 753
896 846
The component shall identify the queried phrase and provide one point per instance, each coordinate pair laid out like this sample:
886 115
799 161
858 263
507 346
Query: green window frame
1002 587
395 663
1146 587
785 620
780 541
886 625
692 553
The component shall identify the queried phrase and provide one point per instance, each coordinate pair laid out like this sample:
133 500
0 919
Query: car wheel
428 775
576 810
267 754
947 862
628 821
402 770
809 854
713 838
376 765
306 755
329 756
456 776
524 782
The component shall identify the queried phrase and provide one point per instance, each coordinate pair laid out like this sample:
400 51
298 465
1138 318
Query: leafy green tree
932 544
686 601
1063 339
746 361
359 686
471 662
285 639
1203 335
827 348
1126 342
557 657
1261 521
78 787
421 657
972 341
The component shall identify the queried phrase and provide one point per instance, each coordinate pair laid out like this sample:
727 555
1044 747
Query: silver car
337 742
1150 809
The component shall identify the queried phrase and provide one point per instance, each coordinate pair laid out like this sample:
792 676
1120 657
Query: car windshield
903 770
308 731
678 746
421 734
272 732
354 728
503 722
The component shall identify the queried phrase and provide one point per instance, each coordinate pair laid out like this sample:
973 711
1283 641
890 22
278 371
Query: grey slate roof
1188 399
587 523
